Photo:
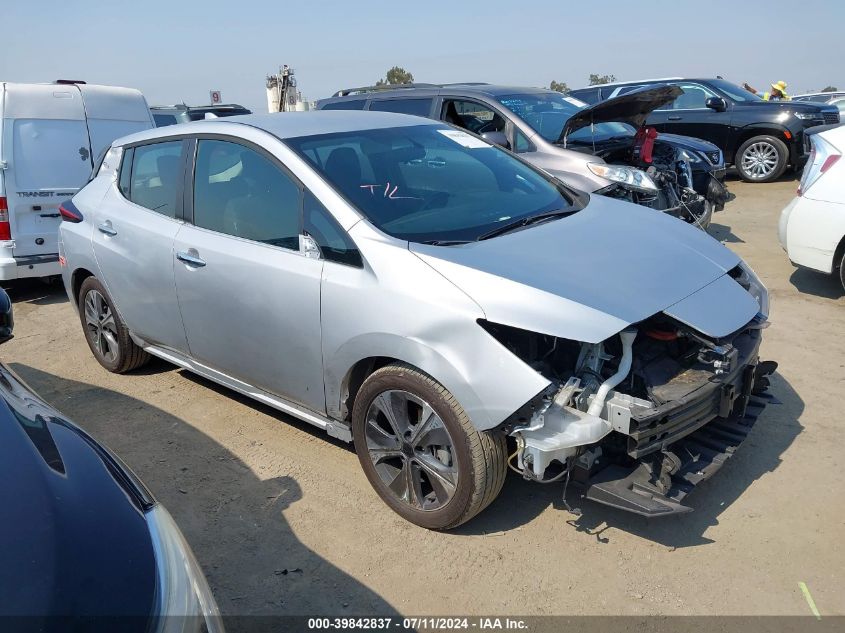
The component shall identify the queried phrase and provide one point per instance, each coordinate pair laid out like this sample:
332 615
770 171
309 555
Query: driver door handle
675 118
190 259
106 228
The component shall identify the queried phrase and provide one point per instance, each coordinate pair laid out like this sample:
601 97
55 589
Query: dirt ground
283 521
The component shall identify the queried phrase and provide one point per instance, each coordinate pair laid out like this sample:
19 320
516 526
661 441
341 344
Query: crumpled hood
587 276
633 107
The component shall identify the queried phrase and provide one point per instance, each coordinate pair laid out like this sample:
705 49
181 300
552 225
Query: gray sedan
448 307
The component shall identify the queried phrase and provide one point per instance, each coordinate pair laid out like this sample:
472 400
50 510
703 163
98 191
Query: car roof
469 88
287 124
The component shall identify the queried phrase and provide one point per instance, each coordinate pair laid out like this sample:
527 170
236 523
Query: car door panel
133 247
251 309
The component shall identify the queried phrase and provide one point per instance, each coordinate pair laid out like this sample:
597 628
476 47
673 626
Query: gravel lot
284 522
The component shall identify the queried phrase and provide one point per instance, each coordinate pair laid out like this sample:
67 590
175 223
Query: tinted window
157 176
240 192
126 171
589 95
335 244
473 116
694 97
162 120
431 182
521 142
733 91
345 104
419 107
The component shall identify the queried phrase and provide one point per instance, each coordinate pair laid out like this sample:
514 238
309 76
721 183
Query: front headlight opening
748 279
184 601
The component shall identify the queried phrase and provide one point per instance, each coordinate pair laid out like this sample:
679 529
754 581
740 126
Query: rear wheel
761 159
106 333
421 453
842 270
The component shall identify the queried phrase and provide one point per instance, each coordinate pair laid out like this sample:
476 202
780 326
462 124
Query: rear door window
418 107
157 177
345 104
241 192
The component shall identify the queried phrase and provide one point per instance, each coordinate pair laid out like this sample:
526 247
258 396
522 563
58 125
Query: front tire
106 333
761 159
420 452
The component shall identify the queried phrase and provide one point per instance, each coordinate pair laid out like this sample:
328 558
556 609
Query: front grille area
831 117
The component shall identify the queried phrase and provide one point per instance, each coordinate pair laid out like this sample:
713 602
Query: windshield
431 183
548 112
733 91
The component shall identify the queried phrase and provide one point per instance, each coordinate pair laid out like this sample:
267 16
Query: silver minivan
431 297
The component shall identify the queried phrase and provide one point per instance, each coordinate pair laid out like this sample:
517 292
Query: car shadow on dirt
773 433
254 562
812 282
723 233
40 292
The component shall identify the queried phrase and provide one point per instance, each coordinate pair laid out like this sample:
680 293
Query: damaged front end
641 418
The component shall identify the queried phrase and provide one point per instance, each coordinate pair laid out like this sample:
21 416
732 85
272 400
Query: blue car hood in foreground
74 536
587 276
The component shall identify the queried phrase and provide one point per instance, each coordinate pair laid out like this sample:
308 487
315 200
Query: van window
335 244
156 176
418 107
50 153
473 116
345 104
240 192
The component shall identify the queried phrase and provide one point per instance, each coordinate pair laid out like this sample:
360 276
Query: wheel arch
76 280
762 129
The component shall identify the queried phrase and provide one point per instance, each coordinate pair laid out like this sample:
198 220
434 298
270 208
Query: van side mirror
716 103
7 323
497 138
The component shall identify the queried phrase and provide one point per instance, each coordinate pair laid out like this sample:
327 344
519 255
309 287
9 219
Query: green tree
559 86
830 89
597 80
396 75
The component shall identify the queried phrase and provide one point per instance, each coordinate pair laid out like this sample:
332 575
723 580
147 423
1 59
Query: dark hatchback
760 138
86 547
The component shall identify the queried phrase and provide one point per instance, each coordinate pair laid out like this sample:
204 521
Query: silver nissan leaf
447 307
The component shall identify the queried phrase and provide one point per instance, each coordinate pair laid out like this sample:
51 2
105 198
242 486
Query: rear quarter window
344 104
418 107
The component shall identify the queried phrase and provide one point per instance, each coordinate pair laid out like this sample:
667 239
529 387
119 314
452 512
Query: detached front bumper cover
657 483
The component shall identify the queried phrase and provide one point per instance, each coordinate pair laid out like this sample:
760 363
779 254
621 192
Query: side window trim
190 177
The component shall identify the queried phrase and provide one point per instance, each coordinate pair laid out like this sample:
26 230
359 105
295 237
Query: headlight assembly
808 116
627 176
183 599
751 282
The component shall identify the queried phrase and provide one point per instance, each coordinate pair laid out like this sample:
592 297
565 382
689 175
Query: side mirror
716 103
7 323
497 138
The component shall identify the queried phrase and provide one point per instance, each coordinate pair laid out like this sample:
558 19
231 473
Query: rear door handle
190 259
675 118
106 228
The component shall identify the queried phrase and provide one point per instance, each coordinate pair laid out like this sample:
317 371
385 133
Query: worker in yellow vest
778 92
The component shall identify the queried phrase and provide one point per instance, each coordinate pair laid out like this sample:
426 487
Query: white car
812 226
50 139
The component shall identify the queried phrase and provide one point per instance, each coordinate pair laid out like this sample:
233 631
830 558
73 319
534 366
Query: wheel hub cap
411 450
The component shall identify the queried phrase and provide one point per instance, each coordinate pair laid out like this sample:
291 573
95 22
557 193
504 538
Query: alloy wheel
411 450
759 160
101 326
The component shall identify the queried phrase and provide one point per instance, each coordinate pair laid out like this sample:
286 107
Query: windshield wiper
518 224
445 242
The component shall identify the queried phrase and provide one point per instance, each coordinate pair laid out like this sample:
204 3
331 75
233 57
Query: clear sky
179 50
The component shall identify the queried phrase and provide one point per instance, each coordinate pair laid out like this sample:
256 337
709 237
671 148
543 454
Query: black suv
181 113
761 138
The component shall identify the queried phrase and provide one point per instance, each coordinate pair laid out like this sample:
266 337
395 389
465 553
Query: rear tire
106 333
842 270
761 159
428 463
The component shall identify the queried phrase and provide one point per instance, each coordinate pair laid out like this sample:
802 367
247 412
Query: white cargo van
51 136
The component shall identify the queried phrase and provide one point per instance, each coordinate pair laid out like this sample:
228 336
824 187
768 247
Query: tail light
69 212
5 228
822 157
